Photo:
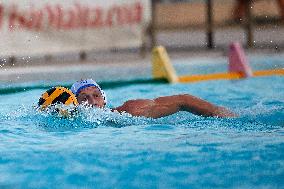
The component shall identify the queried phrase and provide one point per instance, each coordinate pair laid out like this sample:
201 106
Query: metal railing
247 24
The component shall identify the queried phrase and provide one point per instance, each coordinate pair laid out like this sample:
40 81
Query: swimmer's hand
167 105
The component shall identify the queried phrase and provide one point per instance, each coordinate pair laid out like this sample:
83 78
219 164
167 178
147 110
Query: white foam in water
107 117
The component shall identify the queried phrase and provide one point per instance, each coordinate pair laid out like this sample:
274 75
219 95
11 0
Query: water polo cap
57 95
80 85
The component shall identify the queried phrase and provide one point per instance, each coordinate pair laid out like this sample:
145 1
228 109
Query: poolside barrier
238 67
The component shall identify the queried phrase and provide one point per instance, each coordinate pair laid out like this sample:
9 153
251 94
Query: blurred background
94 31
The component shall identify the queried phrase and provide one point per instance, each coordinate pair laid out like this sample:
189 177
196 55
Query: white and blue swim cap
80 85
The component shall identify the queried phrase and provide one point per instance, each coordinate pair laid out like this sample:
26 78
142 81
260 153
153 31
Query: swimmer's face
92 96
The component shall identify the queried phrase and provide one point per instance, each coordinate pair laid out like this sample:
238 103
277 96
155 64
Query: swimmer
89 92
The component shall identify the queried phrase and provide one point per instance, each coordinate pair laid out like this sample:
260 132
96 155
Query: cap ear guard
104 96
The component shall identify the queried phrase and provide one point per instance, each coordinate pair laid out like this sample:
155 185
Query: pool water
101 149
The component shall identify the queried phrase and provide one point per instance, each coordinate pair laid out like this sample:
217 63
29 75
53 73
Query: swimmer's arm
164 106
171 104
201 107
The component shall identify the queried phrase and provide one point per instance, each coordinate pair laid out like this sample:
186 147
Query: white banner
29 27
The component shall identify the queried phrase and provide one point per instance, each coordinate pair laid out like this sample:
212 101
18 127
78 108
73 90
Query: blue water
101 149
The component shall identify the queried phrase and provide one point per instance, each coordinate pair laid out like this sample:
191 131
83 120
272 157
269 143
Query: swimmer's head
88 91
57 95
